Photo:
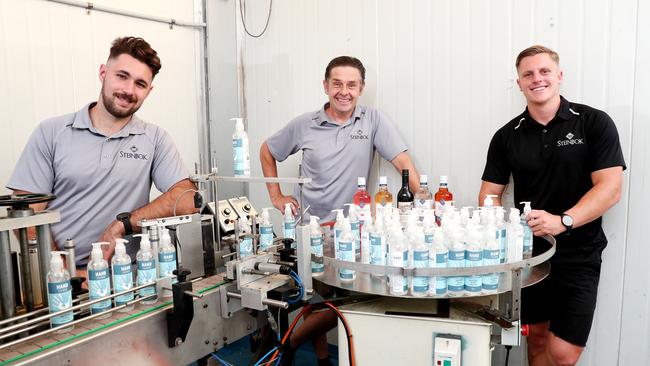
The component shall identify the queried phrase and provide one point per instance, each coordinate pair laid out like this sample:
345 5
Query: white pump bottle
59 291
316 241
99 282
241 157
266 230
122 275
146 269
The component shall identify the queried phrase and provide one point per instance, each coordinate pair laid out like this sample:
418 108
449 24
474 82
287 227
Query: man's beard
113 109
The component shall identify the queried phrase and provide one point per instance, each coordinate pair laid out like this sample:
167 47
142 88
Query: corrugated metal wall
444 72
49 62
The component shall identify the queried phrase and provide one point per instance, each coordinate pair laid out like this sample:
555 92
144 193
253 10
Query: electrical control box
227 216
243 207
447 350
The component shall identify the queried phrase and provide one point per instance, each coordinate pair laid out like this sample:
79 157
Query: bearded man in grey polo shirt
338 144
101 160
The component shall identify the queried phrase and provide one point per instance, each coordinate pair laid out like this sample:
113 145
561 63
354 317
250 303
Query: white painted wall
444 72
49 62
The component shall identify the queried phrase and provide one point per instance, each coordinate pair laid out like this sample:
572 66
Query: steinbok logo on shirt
133 154
570 140
358 135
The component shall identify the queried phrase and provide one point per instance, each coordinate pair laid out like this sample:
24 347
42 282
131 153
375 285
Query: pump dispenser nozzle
489 200
56 263
96 253
239 124
339 214
120 249
145 244
527 207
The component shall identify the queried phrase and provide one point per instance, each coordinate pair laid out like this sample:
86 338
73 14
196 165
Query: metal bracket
180 318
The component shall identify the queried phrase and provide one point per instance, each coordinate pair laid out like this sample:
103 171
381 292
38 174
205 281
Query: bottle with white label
122 275
59 292
398 255
245 238
266 230
378 243
355 229
383 198
423 198
241 157
289 224
528 233
338 227
501 229
99 282
346 252
429 225
146 263
490 282
473 258
316 241
515 236
166 259
438 256
456 259
420 255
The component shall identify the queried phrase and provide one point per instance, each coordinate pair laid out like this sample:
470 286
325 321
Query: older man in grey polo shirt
338 143
101 160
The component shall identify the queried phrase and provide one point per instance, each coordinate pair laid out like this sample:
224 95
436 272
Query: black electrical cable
243 22
508 348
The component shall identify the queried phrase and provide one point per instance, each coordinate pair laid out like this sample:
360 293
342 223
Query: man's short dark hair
346 61
139 49
535 50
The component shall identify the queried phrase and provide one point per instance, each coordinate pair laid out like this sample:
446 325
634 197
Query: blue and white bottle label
99 285
346 253
59 296
317 249
146 274
290 230
441 281
420 260
491 280
456 260
122 280
246 247
356 236
377 255
238 156
167 263
266 237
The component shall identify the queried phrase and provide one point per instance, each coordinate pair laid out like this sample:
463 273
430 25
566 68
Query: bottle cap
361 181
96 254
443 179
424 179
56 263
145 244
239 124
120 249
383 180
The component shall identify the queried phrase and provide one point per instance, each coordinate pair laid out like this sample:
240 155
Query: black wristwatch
125 218
567 221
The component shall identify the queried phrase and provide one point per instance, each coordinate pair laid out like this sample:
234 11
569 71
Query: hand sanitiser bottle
338 227
266 230
99 282
353 217
146 269
166 258
346 252
122 275
528 234
515 237
241 157
245 238
316 241
59 292
289 223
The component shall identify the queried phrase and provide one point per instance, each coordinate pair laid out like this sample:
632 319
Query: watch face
567 220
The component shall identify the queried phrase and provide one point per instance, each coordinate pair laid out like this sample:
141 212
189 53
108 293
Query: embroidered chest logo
133 154
358 135
570 140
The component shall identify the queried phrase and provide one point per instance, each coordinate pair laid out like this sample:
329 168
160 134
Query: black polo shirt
551 166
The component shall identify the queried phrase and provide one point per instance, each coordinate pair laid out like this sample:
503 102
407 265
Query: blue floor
239 354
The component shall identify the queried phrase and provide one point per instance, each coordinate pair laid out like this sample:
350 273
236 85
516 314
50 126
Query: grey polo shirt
94 176
335 155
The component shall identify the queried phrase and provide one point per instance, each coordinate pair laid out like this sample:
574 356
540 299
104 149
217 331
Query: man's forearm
270 170
605 193
403 161
180 195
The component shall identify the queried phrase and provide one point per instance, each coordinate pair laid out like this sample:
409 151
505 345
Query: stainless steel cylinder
6 278
25 277
155 243
71 263
35 271
44 238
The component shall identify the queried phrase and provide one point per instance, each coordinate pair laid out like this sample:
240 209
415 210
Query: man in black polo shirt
566 159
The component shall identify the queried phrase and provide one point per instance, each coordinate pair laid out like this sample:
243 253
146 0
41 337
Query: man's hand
281 200
542 223
115 230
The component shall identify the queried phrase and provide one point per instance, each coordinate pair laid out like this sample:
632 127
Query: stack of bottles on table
428 233
99 278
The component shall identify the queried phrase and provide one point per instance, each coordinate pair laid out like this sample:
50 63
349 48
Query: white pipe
90 6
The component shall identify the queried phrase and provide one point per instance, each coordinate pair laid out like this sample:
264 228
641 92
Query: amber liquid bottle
442 197
383 198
